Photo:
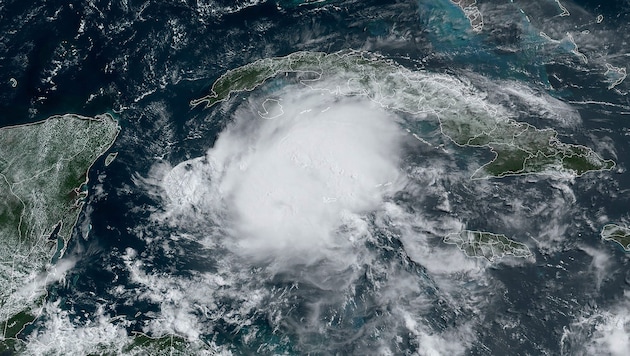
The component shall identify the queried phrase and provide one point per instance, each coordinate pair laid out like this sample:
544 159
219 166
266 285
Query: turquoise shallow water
145 62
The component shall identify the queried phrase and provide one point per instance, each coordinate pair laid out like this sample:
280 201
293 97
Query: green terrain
465 117
487 245
43 172
618 234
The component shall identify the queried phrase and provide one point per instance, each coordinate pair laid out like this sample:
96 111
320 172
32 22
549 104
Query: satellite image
314 177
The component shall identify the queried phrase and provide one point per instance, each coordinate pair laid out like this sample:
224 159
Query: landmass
615 75
166 345
43 172
564 10
464 116
470 9
487 245
134 344
110 158
618 234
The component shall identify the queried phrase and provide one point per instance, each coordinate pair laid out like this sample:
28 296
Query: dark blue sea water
144 61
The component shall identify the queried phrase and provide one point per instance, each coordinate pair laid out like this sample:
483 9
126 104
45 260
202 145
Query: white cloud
62 336
304 198
538 104
600 332
61 332
451 342
286 186
612 334
600 264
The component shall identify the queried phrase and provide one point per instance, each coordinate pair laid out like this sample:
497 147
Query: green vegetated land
464 115
618 234
43 168
166 345
487 245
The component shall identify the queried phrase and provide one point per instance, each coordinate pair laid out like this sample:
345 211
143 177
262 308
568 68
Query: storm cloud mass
288 186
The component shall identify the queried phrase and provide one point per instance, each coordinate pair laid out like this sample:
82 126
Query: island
487 245
461 110
43 175
110 158
472 13
618 234
165 345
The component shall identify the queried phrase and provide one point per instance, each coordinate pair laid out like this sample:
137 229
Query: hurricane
298 177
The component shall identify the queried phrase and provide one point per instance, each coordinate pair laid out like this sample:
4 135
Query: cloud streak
328 199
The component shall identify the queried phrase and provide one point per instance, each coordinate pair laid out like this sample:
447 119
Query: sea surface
138 269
